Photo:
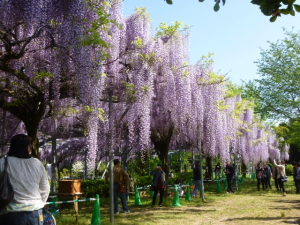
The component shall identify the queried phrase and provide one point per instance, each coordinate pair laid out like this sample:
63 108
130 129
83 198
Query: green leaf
201 0
273 18
217 7
290 7
256 2
267 11
101 112
292 12
297 7
285 11
286 2
170 2
224 1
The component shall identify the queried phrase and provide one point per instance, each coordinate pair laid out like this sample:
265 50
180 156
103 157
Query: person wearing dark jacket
268 175
298 178
159 179
296 174
274 176
229 170
260 176
197 179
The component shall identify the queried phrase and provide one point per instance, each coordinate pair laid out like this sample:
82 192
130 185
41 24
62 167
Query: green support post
225 184
176 201
218 186
96 219
188 196
137 199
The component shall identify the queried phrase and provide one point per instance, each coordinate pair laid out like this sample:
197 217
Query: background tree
277 92
250 92
288 132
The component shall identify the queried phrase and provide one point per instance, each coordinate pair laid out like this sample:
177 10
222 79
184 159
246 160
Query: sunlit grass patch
246 206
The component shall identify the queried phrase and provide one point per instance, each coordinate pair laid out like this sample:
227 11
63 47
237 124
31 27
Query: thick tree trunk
244 169
161 144
58 171
32 132
209 168
30 111
96 171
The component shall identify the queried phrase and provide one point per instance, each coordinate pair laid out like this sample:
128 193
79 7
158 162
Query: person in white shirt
30 183
280 174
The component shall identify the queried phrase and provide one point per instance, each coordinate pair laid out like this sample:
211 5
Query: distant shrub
289 170
142 181
93 187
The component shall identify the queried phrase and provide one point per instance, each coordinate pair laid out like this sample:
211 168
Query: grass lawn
245 206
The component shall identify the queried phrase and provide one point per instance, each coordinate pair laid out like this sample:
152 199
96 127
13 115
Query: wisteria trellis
155 90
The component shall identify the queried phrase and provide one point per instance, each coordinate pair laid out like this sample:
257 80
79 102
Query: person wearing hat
159 178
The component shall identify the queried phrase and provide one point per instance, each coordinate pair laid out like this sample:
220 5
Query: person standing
159 179
260 176
120 177
29 181
218 170
281 173
229 170
296 175
298 178
197 179
268 175
274 176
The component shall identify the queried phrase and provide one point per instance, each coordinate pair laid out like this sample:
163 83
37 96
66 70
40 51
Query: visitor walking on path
281 173
260 176
159 178
120 177
197 179
229 176
29 181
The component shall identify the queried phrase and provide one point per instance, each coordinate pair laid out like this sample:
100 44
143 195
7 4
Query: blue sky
235 34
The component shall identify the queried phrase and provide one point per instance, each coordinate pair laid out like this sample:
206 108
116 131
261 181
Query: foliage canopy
268 8
277 93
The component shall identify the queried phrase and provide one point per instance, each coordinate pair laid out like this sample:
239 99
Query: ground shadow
296 220
287 201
